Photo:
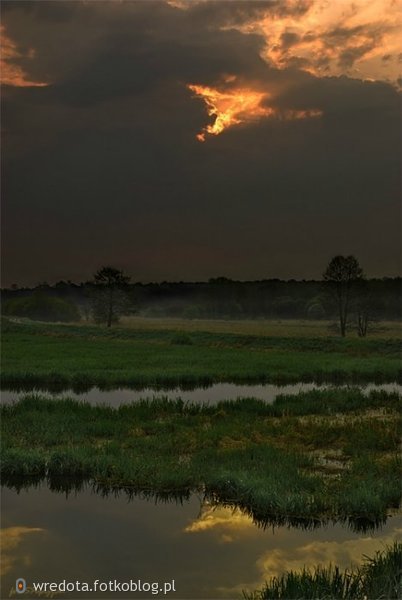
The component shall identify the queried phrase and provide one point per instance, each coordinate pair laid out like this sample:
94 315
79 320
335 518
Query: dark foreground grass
321 456
84 355
379 578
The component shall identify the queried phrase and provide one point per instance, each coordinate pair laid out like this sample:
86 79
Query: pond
207 551
208 395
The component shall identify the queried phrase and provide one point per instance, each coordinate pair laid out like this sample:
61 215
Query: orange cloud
360 39
11 73
240 105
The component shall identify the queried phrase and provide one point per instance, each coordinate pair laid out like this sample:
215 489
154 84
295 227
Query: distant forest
222 298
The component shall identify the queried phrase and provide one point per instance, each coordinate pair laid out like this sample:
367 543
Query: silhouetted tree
342 273
110 298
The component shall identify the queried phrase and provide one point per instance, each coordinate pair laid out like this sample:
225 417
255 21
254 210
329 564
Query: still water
208 395
209 551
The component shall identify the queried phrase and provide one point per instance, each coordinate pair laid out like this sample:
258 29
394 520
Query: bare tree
362 322
365 308
342 273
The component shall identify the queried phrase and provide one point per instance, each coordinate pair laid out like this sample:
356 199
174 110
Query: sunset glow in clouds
12 73
96 93
229 108
360 39
239 105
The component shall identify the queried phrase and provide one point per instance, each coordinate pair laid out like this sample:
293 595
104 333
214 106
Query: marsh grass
379 578
246 453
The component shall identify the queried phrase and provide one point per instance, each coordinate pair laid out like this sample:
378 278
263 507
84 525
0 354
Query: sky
183 140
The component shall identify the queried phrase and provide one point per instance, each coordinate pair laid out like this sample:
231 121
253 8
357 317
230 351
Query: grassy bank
325 454
73 355
379 578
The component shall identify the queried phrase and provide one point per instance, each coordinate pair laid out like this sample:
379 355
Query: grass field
45 354
293 328
321 455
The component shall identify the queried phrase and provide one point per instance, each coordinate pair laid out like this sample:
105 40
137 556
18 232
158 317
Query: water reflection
207 498
11 540
210 551
209 394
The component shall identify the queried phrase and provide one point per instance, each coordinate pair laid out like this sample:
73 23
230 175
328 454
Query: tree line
343 294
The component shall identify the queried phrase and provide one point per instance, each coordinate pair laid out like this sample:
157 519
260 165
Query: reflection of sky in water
210 395
12 539
287 549
209 552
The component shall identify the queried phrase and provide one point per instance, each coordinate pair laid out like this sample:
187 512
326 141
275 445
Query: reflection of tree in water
209 501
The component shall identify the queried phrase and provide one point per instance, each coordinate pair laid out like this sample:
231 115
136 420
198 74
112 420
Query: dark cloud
289 39
236 12
104 50
348 57
103 165
341 34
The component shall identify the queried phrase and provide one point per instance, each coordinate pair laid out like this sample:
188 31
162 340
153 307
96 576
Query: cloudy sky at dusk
185 140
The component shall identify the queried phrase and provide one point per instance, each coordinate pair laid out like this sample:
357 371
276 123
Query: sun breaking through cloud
10 72
240 105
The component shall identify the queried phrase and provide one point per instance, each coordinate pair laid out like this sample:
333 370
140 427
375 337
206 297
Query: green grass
379 578
320 455
85 355
293 459
295 328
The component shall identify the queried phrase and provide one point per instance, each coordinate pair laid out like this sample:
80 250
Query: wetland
257 433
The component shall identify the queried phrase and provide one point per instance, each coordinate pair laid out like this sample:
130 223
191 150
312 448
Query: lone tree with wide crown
342 273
